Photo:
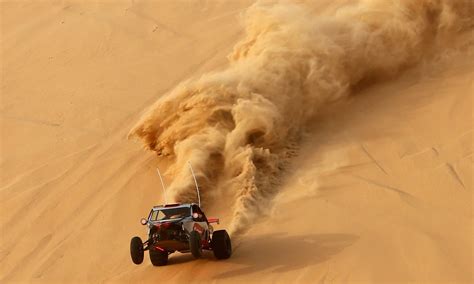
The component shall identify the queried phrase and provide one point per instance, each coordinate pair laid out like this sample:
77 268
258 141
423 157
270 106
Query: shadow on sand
278 252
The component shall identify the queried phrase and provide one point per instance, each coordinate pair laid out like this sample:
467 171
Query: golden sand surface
332 138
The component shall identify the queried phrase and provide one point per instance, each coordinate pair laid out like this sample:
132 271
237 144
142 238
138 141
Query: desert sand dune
373 180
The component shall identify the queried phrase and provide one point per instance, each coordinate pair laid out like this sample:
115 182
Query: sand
378 187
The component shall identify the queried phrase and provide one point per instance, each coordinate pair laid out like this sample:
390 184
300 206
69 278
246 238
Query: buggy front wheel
195 245
158 257
136 250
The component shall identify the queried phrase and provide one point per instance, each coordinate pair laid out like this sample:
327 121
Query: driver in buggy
175 213
175 216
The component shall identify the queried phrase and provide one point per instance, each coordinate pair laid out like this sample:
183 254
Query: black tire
221 245
136 250
158 257
195 245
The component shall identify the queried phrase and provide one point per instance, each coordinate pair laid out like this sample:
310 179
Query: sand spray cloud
238 126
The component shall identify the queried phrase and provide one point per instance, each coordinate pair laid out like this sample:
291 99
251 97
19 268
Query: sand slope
380 191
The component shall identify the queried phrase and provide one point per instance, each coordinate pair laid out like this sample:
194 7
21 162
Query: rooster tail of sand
237 126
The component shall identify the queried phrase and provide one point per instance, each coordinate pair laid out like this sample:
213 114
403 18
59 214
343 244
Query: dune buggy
179 227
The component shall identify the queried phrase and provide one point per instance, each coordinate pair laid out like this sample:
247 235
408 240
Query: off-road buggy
179 227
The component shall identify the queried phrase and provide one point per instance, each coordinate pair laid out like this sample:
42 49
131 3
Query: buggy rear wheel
195 244
221 245
136 250
158 257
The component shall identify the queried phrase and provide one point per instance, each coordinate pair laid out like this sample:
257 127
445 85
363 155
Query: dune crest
238 126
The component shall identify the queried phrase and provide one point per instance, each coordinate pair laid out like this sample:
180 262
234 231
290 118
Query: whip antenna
195 181
162 185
